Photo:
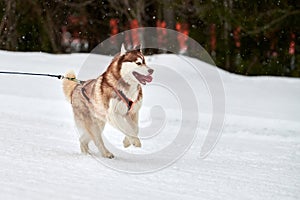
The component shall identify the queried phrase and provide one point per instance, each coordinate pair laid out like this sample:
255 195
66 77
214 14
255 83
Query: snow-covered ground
257 156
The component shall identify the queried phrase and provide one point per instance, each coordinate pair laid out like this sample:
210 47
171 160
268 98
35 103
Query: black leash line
37 74
32 74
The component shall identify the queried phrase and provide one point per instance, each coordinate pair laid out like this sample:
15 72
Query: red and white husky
114 97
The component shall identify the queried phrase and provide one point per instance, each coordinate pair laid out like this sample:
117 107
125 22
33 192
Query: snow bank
257 157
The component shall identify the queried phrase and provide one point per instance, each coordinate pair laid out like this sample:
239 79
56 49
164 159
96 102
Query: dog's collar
123 97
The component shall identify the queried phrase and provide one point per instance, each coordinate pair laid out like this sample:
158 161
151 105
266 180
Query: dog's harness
84 91
123 97
129 103
72 79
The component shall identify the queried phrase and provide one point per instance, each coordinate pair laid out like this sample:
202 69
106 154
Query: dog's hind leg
84 142
98 131
84 138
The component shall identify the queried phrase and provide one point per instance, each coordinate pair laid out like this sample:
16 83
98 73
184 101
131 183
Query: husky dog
114 97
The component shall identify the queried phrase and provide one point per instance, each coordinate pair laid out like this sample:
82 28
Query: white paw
108 155
136 142
84 149
126 142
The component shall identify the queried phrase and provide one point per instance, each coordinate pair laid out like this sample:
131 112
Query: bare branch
122 7
269 25
77 5
4 18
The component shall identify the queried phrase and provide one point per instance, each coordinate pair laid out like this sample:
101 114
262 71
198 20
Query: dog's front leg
133 117
122 120
128 126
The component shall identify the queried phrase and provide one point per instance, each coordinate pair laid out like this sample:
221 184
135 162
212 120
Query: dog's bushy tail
69 86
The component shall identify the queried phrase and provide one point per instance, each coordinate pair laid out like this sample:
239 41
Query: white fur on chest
132 93
116 106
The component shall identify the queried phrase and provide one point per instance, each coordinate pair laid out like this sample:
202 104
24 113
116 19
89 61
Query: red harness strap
123 97
86 92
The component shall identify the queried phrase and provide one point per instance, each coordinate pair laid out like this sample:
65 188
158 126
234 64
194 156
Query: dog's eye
139 63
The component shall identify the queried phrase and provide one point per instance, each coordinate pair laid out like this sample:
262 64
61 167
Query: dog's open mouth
141 78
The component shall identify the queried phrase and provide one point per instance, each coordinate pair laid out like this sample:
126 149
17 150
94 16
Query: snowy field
257 156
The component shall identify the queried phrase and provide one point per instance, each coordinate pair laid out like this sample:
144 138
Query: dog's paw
136 142
84 149
126 142
108 155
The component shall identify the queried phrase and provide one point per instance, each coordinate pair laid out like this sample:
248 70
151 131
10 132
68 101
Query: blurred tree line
259 37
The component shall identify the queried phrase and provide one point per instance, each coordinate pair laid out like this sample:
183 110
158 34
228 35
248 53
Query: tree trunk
168 14
8 34
227 28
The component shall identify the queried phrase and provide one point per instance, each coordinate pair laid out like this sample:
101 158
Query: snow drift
257 156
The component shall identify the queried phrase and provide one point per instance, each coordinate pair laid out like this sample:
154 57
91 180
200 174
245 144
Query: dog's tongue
148 78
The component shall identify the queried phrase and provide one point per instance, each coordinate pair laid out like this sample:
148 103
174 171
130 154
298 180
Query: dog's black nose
150 71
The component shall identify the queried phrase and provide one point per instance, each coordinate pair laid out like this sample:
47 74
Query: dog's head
133 67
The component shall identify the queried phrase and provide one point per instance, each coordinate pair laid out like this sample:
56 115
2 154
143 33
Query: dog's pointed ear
123 50
138 47
141 48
